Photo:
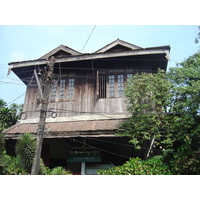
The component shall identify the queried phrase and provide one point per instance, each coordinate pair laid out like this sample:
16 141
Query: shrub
25 149
136 166
11 165
60 171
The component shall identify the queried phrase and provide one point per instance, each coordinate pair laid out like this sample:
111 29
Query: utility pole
47 79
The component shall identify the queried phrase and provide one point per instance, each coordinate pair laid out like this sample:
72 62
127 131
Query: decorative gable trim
116 43
68 51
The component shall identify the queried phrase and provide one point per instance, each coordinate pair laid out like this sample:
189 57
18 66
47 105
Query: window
111 85
53 92
62 89
71 88
120 79
129 76
102 86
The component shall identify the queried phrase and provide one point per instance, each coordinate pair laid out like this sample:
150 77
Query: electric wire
88 38
100 148
17 98
121 144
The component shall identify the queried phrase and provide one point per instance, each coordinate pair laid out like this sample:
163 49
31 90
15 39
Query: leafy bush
60 171
2 143
25 149
185 161
22 163
10 165
136 166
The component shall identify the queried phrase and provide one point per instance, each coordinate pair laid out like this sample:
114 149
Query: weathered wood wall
85 73
85 100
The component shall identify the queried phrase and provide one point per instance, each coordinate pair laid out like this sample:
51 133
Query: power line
88 38
127 145
11 83
100 148
17 98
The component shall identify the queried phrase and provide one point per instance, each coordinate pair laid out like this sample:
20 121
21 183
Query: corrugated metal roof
59 129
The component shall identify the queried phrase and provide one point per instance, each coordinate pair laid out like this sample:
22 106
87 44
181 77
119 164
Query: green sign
84 155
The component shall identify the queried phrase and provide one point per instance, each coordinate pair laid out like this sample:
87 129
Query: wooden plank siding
88 98
84 102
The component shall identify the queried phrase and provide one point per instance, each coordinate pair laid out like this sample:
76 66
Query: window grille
129 76
53 92
71 88
102 86
120 79
111 81
62 89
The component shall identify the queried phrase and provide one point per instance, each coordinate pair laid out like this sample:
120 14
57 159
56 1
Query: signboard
84 154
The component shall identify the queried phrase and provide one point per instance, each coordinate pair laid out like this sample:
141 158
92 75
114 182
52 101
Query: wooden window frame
62 89
71 88
111 85
53 92
120 85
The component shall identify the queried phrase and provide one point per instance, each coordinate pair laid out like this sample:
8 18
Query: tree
9 115
186 101
148 97
165 108
2 144
198 37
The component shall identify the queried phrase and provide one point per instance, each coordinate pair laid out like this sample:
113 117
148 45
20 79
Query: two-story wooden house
86 103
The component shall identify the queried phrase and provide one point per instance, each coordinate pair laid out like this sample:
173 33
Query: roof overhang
87 128
148 51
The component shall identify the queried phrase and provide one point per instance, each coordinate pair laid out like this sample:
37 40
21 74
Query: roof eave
147 51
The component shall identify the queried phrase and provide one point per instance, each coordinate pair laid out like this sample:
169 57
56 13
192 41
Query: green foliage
2 103
22 163
147 93
10 165
135 166
166 107
185 161
198 36
9 115
2 143
186 81
148 97
60 171
25 149
43 170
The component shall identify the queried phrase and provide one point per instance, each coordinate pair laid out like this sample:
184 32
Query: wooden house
86 103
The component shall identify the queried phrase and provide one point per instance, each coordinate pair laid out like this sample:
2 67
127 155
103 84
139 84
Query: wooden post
150 148
47 79
82 168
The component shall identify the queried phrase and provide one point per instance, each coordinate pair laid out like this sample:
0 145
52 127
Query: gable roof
61 51
118 44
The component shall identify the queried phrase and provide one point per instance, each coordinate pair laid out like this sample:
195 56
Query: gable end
118 45
61 51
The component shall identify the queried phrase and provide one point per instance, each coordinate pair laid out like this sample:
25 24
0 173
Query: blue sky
22 42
